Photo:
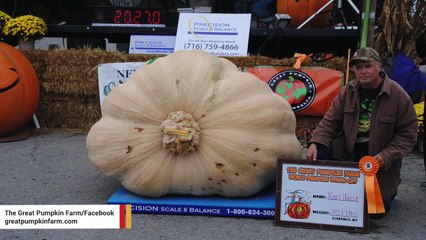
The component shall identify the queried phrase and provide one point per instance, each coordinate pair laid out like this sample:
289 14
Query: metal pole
353 6
365 23
315 14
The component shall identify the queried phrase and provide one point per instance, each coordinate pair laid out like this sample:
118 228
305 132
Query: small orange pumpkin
19 89
299 210
301 10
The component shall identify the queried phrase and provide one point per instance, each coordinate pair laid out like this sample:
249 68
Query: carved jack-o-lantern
19 89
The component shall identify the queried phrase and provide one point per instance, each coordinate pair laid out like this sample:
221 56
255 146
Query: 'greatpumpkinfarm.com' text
60 216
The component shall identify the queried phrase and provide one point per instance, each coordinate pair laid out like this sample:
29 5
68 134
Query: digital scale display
129 16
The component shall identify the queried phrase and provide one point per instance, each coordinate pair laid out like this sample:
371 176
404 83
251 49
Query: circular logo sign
294 86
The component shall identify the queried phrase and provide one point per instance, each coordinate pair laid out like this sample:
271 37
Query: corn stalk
401 23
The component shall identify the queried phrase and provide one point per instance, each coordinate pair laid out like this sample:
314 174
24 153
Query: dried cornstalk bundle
402 22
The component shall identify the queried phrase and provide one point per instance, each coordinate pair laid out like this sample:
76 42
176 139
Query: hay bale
64 111
74 72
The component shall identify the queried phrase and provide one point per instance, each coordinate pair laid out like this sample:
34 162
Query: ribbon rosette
369 166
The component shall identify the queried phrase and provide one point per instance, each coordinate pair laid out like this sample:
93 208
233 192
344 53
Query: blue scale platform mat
261 205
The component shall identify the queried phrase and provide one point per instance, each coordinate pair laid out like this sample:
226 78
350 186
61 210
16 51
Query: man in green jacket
371 116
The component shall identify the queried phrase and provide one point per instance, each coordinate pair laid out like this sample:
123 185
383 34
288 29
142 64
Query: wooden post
348 67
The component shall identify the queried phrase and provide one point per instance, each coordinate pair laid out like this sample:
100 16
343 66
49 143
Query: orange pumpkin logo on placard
298 206
299 210
296 87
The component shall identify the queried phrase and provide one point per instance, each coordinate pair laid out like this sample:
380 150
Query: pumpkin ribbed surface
192 123
19 89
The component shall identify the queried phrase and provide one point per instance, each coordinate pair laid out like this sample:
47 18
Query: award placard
321 194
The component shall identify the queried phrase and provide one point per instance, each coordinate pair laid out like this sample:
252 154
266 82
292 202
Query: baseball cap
366 54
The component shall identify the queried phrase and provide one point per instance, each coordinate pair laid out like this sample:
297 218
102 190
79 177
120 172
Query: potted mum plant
420 108
26 29
4 17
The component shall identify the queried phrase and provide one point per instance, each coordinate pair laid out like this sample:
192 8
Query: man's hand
312 152
380 160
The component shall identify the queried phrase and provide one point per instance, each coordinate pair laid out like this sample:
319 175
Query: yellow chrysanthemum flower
26 27
3 19
420 108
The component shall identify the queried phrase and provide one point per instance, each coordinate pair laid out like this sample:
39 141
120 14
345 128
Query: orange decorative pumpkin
299 210
19 89
301 10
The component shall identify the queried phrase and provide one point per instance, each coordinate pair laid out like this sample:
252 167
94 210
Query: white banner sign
65 216
151 44
218 34
111 75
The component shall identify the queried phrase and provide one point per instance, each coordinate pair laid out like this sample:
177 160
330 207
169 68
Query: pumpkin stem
181 134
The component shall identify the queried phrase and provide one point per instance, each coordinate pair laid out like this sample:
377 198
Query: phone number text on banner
218 34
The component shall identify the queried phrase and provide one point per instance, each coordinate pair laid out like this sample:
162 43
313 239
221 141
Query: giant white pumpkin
192 123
